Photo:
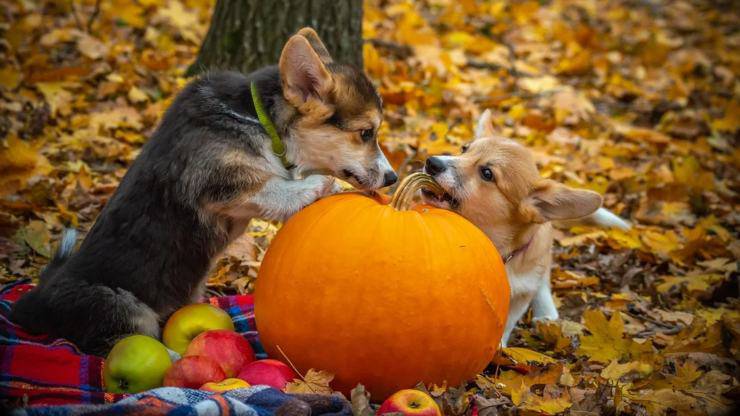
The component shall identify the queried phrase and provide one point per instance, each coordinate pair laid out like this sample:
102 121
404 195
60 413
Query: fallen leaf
524 355
19 162
606 341
91 47
615 371
36 235
314 382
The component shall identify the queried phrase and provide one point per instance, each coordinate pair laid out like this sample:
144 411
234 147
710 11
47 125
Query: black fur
152 244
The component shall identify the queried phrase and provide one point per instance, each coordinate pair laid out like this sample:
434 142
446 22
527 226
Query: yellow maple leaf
661 242
684 377
182 18
614 371
624 239
129 12
552 333
19 162
315 381
512 381
525 355
56 94
606 341
117 117
548 406
688 171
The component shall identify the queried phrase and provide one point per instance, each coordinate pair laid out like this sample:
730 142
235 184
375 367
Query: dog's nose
434 165
389 178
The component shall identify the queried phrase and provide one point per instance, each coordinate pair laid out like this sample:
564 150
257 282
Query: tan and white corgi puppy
231 147
495 184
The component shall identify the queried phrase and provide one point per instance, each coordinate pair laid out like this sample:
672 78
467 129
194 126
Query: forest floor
638 100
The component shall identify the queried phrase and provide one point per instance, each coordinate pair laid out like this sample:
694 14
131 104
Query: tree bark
248 34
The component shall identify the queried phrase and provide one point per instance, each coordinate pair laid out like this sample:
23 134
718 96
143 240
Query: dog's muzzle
435 166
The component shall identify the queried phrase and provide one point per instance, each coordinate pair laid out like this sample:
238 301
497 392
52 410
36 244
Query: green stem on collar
404 194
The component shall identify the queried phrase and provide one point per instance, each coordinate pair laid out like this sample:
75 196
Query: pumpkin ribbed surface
382 297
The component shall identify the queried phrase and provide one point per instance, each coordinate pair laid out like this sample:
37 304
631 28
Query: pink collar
517 251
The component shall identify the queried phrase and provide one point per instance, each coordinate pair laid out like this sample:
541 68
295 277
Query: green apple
136 363
191 320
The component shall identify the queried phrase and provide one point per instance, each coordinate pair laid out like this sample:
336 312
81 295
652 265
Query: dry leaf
315 381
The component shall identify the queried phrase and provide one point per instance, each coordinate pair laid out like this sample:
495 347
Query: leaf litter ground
637 100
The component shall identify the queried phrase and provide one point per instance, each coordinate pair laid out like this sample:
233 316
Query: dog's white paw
322 185
546 318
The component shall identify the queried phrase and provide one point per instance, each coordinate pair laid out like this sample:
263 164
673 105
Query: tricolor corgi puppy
231 147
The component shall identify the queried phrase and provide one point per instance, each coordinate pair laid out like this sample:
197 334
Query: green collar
278 147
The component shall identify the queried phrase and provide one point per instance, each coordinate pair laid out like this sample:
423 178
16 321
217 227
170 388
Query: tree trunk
248 34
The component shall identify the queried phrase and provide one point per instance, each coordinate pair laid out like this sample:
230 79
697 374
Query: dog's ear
550 201
306 81
315 41
485 126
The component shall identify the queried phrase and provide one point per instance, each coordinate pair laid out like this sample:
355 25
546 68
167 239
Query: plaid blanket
39 371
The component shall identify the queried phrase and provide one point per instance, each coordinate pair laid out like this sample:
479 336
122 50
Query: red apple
410 402
225 385
192 372
189 321
229 349
273 373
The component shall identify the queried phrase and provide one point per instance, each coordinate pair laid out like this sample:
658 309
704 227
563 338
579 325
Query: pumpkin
382 295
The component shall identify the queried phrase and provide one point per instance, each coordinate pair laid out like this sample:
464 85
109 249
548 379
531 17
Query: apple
189 321
273 373
192 372
229 349
410 402
225 385
136 363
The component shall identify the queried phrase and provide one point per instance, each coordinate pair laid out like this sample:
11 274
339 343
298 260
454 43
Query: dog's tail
66 246
607 219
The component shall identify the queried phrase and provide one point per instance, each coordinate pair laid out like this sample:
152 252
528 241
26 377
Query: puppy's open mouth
443 201
352 178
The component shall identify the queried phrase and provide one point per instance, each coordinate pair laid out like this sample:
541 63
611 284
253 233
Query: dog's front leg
280 198
543 305
517 308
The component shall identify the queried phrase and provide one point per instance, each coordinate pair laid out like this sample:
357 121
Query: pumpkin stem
409 185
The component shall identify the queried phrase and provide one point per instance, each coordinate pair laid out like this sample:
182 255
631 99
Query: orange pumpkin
382 296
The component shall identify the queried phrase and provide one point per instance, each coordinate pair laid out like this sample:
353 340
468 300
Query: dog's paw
546 318
322 185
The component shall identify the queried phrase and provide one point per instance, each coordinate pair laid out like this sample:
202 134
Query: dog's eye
486 173
465 148
367 135
334 120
